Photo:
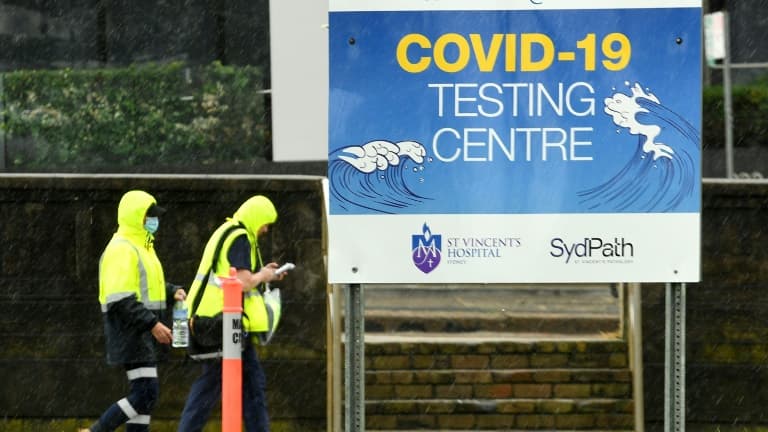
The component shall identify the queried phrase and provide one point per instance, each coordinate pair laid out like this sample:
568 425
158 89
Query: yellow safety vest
127 268
255 316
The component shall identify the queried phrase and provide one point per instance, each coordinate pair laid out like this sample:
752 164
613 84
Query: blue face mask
152 224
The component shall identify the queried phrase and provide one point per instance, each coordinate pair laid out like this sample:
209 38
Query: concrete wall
53 230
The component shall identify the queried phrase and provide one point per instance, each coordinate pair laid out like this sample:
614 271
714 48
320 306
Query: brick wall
726 317
498 385
54 228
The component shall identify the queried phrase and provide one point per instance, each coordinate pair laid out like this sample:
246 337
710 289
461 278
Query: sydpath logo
593 250
426 249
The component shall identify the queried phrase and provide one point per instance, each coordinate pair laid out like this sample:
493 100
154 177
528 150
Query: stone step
540 298
497 381
498 384
451 353
500 406
565 309
502 420
467 322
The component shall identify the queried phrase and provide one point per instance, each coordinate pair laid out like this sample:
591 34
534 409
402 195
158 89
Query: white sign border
388 259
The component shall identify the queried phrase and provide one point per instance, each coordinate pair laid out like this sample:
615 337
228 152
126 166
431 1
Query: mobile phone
284 268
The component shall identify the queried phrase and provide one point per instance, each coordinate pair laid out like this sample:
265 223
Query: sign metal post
674 358
354 372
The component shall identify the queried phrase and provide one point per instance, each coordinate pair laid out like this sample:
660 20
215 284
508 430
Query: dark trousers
136 408
205 394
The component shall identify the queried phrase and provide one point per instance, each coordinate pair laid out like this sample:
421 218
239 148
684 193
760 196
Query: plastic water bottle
180 327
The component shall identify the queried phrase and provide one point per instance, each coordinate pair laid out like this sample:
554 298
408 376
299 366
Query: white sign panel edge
530 248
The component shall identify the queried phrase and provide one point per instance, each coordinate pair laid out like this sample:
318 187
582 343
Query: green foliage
750 116
159 115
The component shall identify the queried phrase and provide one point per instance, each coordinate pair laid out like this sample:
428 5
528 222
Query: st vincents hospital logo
426 249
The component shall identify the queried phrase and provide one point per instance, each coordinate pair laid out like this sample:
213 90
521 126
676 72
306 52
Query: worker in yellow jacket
233 244
134 296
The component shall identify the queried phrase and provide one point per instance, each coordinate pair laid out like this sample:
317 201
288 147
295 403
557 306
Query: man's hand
161 333
180 294
265 275
269 273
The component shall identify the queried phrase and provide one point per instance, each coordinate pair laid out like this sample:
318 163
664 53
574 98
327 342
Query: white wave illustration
648 184
624 110
375 176
380 155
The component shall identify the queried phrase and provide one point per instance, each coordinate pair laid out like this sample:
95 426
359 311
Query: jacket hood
255 213
132 209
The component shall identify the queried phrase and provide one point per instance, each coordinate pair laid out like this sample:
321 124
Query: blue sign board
535 128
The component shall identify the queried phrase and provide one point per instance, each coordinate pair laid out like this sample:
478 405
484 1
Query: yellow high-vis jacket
132 288
247 220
